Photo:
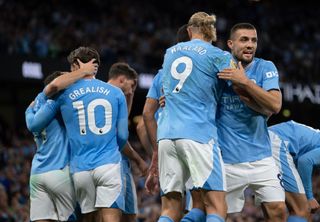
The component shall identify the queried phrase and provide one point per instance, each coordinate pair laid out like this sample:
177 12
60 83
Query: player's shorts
261 176
52 196
182 158
100 187
129 190
290 176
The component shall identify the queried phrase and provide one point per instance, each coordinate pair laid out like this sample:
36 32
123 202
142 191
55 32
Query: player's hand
143 167
314 205
235 75
89 68
152 183
162 101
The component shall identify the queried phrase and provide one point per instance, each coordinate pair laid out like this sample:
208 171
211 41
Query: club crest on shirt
233 64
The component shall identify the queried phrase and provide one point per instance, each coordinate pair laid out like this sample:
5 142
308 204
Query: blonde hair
203 23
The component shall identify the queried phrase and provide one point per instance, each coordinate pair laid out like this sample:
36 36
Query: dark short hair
122 68
182 34
51 77
238 26
84 54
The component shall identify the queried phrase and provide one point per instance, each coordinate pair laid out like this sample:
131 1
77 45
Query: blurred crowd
139 33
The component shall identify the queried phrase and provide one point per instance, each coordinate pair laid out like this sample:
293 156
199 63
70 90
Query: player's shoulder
218 53
263 63
158 75
301 126
41 97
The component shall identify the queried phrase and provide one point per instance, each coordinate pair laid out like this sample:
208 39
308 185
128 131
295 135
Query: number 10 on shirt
86 116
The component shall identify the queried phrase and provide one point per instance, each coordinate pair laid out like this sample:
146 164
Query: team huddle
205 118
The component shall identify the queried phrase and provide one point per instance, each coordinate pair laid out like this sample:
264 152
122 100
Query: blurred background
36 37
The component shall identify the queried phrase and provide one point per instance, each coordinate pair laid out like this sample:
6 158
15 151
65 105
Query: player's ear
74 66
189 32
122 79
230 43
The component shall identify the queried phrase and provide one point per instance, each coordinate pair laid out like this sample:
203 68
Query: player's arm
250 102
134 156
270 101
150 108
129 98
63 81
305 165
122 122
37 121
143 136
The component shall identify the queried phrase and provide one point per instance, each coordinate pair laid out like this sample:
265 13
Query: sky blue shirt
155 91
50 136
192 89
96 118
243 133
156 87
303 143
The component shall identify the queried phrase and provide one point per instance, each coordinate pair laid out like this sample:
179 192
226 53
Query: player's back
300 138
91 109
243 133
52 143
192 89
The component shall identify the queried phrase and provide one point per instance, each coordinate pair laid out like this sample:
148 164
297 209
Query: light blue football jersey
96 118
50 136
303 143
301 138
192 89
243 133
155 91
156 87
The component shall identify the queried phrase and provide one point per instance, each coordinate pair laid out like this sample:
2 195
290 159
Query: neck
113 82
197 36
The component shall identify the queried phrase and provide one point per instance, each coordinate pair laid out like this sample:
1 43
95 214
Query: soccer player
187 133
96 118
296 149
125 77
151 111
242 126
52 194
182 36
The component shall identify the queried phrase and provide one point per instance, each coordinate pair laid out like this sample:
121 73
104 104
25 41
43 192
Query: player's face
243 45
128 86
